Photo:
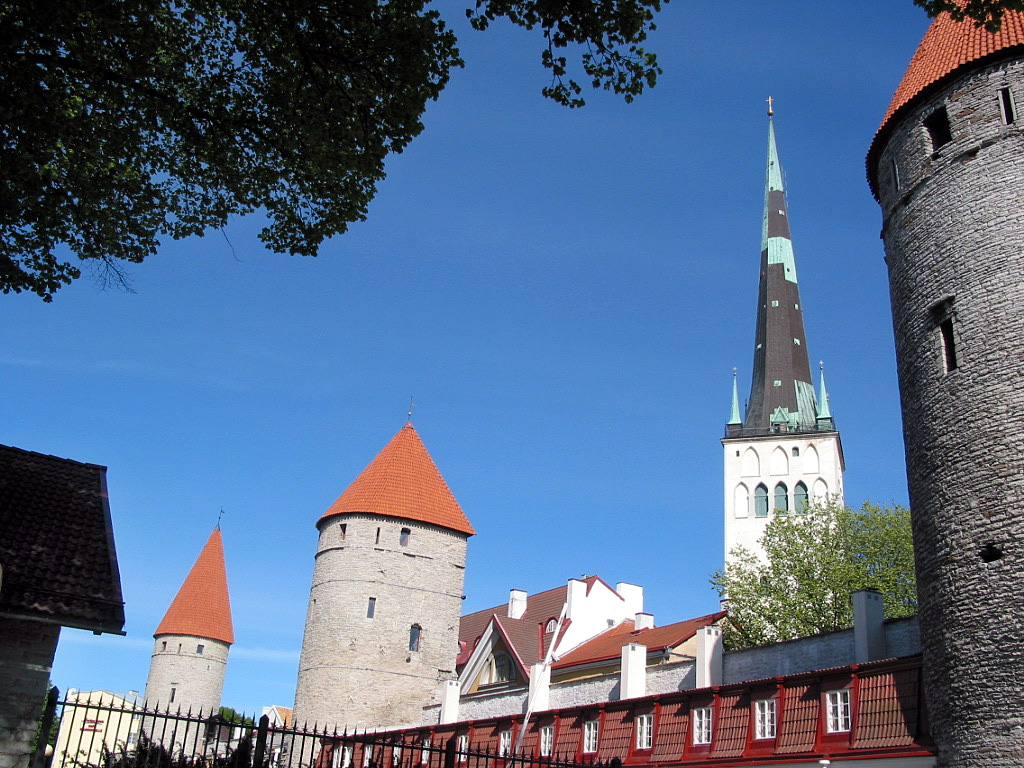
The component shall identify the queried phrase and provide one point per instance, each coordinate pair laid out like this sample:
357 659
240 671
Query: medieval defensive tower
785 451
947 166
382 626
190 656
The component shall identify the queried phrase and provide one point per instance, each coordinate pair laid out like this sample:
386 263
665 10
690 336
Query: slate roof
608 645
202 607
947 47
56 543
403 481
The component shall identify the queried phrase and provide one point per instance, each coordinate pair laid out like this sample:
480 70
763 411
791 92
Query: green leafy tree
812 564
126 122
987 13
234 717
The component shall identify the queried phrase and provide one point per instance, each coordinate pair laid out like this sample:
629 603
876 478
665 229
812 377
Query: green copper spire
824 412
734 415
778 248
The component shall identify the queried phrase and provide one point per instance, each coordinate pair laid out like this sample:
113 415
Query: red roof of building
403 482
202 607
947 46
608 645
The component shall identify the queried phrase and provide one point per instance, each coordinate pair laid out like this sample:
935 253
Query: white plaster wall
742 528
594 613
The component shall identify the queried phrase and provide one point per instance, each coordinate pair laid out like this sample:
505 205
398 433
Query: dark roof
57 544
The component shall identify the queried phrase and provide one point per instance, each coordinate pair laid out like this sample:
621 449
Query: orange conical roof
202 607
949 45
403 481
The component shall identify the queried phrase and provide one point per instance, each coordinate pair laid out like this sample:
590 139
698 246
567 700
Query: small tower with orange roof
190 656
383 618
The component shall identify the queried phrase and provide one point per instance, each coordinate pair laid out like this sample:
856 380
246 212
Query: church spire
781 392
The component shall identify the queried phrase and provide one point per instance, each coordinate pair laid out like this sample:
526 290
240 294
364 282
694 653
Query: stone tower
382 626
947 166
785 450
192 642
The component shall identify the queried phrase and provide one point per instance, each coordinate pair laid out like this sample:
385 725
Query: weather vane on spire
411 406
219 516
771 108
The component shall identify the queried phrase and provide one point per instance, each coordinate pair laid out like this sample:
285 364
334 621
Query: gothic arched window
761 501
781 498
800 498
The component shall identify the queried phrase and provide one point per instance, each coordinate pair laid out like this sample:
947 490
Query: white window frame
462 746
764 719
505 743
343 757
425 750
367 754
396 756
838 716
644 731
700 718
547 740
590 736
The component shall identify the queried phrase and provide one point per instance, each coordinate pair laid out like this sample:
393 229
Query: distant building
784 450
100 722
383 616
58 568
947 166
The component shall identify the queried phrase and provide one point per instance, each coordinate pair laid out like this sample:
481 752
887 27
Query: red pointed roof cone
202 607
403 482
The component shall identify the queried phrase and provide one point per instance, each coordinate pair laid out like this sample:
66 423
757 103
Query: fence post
261 742
39 756
449 752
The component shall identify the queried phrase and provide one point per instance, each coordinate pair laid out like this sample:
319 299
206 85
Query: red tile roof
56 542
608 645
947 47
403 482
202 607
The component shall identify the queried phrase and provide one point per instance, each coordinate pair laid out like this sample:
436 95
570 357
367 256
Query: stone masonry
358 670
954 239
186 672
26 655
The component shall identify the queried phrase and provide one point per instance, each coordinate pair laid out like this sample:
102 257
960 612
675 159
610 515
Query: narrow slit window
342 531
948 344
895 171
1006 106
371 607
939 131
173 691
414 637
377 540
403 537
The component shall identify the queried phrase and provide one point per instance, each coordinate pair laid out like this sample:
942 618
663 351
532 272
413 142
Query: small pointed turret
734 414
781 392
824 411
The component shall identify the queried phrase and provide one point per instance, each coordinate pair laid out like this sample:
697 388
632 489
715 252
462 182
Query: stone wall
26 655
359 671
192 668
954 239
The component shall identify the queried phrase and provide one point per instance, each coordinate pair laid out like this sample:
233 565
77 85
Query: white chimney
633 671
450 702
540 687
516 603
643 621
868 629
709 657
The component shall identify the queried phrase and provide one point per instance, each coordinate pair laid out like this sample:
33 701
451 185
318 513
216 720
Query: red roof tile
403 482
949 45
608 645
202 607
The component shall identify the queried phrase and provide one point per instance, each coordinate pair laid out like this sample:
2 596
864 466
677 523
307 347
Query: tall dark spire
781 392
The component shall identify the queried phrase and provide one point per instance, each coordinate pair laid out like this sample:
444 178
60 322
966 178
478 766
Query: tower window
894 170
761 501
1006 106
342 531
414 637
403 537
377 539
939 131
163 645
801 498
948 344
173 691
781 498
371 607
795 451
199 649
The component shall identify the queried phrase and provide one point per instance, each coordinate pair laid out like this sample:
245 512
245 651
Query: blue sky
564 293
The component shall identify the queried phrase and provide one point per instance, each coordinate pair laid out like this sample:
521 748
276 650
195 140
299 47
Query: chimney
540 687
643 621
450 702
633 671
709 657
868 629
516 603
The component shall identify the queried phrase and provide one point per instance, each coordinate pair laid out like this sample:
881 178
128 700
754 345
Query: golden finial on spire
771 108
411 406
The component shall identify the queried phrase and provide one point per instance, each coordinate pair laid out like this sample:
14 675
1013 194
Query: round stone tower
383 617
947 166
191 652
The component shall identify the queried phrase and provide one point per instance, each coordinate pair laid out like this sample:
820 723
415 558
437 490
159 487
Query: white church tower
785 451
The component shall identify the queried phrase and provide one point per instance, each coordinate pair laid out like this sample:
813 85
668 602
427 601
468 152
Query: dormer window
551 626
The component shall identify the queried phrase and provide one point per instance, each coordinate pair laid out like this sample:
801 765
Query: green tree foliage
123 122
231 715
987 13
813 563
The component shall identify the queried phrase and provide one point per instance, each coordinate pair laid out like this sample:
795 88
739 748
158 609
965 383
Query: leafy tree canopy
123 122
813 563
987 13
126 121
